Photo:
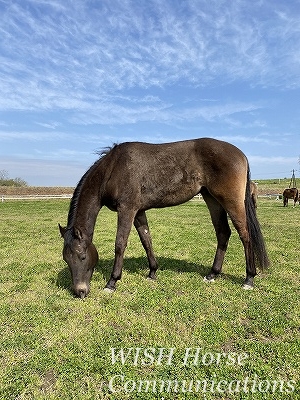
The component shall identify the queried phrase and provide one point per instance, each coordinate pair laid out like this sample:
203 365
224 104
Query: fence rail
5 197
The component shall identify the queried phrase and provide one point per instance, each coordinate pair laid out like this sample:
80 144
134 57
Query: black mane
103 152
74 201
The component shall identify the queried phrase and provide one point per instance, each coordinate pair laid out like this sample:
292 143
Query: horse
133 177
254 193
291 193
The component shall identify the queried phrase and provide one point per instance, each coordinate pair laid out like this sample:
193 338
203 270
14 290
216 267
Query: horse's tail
257 250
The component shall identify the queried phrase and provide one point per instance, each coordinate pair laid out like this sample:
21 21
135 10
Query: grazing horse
131 178
291 193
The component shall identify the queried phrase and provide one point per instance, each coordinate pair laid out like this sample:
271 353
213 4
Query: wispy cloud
249 139
49 125
32 136
44 172
61 154
66 55
78 75
292 161
129 112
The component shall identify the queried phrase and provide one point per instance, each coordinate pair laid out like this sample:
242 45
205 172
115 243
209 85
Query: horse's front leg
125 220
141 225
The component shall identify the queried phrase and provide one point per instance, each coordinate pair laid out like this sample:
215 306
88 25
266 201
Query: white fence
6 197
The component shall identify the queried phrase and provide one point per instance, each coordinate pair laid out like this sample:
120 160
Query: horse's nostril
81 290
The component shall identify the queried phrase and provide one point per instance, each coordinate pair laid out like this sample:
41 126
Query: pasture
181 337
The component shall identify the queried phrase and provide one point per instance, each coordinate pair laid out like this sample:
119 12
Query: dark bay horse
254 193
131 178
291 193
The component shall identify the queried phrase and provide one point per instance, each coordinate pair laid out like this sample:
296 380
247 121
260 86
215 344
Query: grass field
196 340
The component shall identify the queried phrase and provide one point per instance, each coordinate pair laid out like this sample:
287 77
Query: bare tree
4 175
20 182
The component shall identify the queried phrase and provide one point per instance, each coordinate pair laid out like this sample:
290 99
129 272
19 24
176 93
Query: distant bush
17 182
6 181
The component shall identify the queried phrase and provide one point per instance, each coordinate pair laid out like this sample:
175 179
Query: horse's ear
78 234
62 230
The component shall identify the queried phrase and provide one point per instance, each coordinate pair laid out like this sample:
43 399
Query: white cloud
275 160
62 55
32 136
50 125
44 173
248 139
73 72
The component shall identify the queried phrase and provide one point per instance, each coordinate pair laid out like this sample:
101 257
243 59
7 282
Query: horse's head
81 256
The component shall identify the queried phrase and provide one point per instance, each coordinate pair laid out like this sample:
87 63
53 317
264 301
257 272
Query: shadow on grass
64 279
134 265
139 265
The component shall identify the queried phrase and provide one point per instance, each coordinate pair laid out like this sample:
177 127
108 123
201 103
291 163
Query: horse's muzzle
81 290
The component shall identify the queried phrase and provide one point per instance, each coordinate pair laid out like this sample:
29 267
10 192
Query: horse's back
159 175
204 154
290 193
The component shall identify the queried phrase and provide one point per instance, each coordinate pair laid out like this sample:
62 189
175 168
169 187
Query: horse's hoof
151 279
108 290
247 287
208 280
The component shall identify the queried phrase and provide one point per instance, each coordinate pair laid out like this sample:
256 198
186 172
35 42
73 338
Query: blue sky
80 75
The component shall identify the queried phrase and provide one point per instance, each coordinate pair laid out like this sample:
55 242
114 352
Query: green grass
54 346
272 186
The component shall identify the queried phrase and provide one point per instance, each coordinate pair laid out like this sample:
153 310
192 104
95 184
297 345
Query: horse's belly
175 191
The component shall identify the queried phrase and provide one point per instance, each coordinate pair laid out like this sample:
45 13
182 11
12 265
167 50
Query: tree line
5 180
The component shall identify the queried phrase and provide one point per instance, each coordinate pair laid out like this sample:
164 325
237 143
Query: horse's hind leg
141 225
239 220
223 232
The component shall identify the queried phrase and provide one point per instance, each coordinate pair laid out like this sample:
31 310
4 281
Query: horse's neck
87 205
86 219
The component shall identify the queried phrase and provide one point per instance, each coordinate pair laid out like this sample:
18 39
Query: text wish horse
133 177
291 193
